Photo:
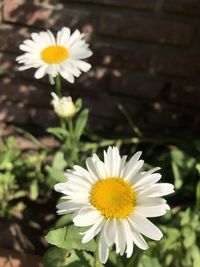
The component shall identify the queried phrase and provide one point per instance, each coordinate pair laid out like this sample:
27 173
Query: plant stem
59 93
72 140
58 85
70 125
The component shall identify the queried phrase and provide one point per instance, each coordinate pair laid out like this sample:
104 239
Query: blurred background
143 93
146 57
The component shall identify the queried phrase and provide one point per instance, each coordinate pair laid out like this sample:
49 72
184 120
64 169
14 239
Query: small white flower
51 55
114 199
63 107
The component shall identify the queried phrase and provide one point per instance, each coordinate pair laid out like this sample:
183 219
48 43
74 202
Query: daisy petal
93 231
145 227
103 249
40 72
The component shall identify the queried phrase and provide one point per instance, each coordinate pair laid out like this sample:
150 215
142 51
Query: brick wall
146 56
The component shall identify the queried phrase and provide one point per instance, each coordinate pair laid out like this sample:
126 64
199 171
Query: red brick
13 113
176 62
191 7
43 118
185 92
145 28
13 36
43 16
138 4
24 92
136 85
171 117
135 57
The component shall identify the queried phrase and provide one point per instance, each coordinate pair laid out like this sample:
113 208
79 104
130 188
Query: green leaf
58 132
59 161
69 238
81 122
195 253
54 176
34 191
56 257
63 220
78 104
198 196
134 128
189 237
177 175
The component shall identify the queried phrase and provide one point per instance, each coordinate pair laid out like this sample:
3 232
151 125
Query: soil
22 235
16 259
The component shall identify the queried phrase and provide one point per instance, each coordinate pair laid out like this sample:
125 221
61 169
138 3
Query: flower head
114 199
51 55
63 107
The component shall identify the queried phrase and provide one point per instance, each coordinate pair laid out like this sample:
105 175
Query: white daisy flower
114 199
51 55
64 106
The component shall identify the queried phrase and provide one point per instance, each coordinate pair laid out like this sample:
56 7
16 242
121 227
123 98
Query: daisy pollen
114 198
53 55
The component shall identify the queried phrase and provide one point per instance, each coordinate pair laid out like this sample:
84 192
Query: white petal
150 202
151 211
80 54
99 167
51 37
117 235
91 168
51 80
73 38
60 187
40 72
67 76
83 172
86 217
128 237
158 190
146 180
137 237
63 36
103 249
83 66
133 166
122 164
108 232
67 207
145 227
112 161
94 230
122 237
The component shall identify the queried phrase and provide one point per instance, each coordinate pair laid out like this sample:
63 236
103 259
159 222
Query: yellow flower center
113 197
54 54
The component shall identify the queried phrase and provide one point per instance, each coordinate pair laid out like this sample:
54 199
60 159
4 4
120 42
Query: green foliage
80 123
20 175
30 174
182 164
56 170
69 238
56 257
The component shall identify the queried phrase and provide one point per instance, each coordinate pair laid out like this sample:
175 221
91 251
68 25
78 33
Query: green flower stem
59 93
72 140
71 128
58 85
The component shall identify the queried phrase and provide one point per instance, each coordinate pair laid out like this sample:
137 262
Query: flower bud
63 107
